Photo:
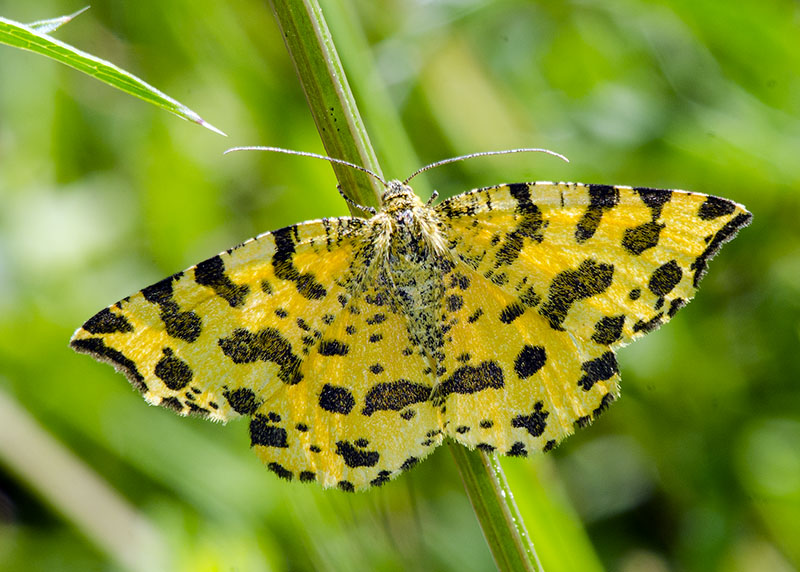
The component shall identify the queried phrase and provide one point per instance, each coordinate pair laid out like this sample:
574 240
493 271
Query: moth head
399 195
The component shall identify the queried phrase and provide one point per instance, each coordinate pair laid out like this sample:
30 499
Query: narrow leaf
27 38
47 26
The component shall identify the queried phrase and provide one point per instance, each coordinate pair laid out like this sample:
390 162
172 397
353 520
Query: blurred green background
697 467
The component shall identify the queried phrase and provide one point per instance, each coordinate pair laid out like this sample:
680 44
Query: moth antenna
483 154
352 203
434 196
315 156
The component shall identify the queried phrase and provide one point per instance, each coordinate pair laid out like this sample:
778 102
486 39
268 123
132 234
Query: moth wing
606 264
515 386
557 276
220 337
362 413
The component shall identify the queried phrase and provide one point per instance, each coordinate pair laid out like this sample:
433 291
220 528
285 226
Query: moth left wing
225 334
605 263
553 278
508 382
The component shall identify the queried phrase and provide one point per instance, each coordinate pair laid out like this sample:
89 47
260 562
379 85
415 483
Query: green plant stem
329 97
343 134
493 503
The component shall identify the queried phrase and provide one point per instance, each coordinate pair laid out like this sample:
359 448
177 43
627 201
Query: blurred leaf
32 39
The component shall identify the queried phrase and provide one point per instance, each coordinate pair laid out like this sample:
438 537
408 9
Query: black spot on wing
211 273
639 238
265 434
395 396
283 264
529 360
242 400
381 479
459 280
589 279
675 305
511 312
173 371
354 457
517 450
280 470
333 348
510 249
107 322
475 315
607 400
530 225
715 207
601 197
608 330
655 199
529 297
409 463
243 346
598 369
184 326
534 422
650 325
172 403
194 408
665 278
336 399
582 422
454 302
469 379
378 318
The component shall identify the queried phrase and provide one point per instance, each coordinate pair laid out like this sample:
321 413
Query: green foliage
694 468
34 37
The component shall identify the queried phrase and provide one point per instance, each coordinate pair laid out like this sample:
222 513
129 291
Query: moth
356 345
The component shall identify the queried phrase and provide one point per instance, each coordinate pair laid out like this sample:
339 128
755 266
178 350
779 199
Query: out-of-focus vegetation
697 467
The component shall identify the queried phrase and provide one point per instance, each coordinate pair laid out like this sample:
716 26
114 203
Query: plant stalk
343 134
